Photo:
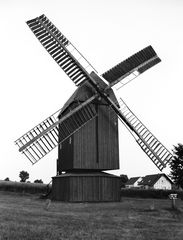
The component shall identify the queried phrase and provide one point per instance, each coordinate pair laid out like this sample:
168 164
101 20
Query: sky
106 32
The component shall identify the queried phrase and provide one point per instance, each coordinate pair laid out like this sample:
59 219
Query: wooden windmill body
94 147
86 128
88 152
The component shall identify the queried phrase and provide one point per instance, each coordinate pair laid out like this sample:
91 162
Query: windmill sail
136 64
43 138
61 49
146 140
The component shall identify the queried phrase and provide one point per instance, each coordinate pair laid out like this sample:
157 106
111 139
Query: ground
26 217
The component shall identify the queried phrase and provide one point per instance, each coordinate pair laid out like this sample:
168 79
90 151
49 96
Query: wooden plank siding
88 187
85 147
94 146
108 138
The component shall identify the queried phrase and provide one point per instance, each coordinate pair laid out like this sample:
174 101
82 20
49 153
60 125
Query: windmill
86 128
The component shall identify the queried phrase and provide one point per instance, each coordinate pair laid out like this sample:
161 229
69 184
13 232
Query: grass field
26 217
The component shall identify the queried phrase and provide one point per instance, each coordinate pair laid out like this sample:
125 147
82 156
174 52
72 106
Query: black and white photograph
91 120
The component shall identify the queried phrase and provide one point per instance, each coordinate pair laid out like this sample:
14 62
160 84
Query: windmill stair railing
146 140
61 49
43 138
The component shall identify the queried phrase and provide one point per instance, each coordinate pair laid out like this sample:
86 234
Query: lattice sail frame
61 49
79 71
155 150
43 138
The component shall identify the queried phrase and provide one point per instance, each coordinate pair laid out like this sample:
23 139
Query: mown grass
26 217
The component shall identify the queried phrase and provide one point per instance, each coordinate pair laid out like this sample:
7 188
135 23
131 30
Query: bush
7 179
150 193
38 181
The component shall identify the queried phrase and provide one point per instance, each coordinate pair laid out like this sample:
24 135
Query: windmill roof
85 91
82 93
132 180
150 180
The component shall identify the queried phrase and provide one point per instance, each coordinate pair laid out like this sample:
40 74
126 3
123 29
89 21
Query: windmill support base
86 187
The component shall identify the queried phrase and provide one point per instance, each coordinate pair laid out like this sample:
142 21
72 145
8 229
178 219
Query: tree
123 180
176 166
23 176
38 181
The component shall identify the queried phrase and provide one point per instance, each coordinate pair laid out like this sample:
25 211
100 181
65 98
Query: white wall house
163 183
156 181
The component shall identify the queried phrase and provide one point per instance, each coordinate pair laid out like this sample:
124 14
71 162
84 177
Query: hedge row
150 193
125 192
23 187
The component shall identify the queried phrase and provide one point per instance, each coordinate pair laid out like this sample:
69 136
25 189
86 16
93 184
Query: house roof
132 180
150 180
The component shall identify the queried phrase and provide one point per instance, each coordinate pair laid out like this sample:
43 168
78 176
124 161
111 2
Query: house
156 181
133 182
